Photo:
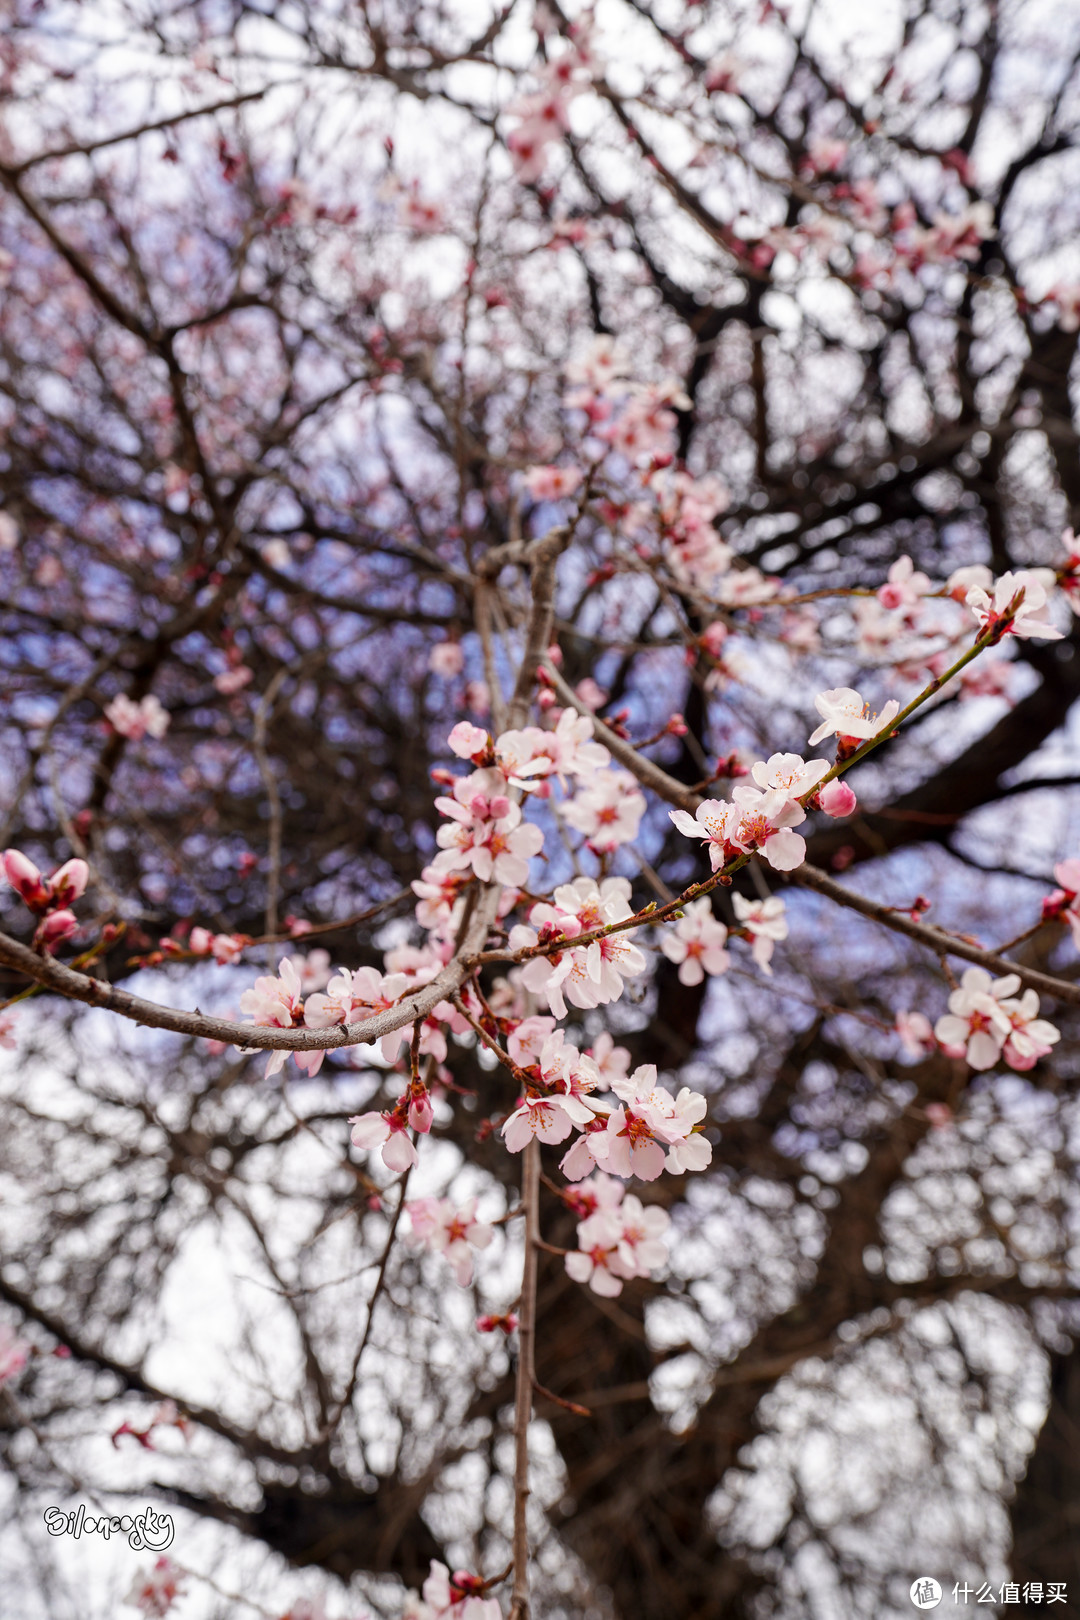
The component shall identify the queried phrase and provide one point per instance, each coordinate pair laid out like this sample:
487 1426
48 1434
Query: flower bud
69 882
55 928
837 799
421 1113
25 879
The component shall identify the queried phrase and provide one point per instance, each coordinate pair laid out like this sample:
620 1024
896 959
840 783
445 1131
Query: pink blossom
233 680
916 1033
975 576
611 1061
607 811
438 893
592 975
723 73
278 1002
989 677
468 741
837 799
788 776
976 1025
552 483
155 1591
8 1023
715 821
314 968
451 1597
604 362
764 825
617 1242
524 1043
477 697
388 1131
649 1119
567 750
599 1192
826 154
13 1354
697 943
551 1119
438 1225
593 696
588 1150
447 660
766 923
845 715
641 1242
990 611
597 1260
1032 1037
747 587
507 1323
137 720
224 948
485 831
905 586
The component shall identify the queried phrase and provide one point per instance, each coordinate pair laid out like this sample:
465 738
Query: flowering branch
666 787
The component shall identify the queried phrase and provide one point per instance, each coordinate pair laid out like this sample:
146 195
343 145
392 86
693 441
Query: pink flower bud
421 1113
69 882
939 1115
200 941
837 799
25 879
55 928
546 699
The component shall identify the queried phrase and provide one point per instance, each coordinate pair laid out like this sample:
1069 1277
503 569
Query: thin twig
530 1198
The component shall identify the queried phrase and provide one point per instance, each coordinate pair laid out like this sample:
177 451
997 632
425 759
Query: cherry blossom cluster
147 718
544 114
698 941
911 625
586 975
628 1137
986 1023
760 819
618 1237
50 899
442 1227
